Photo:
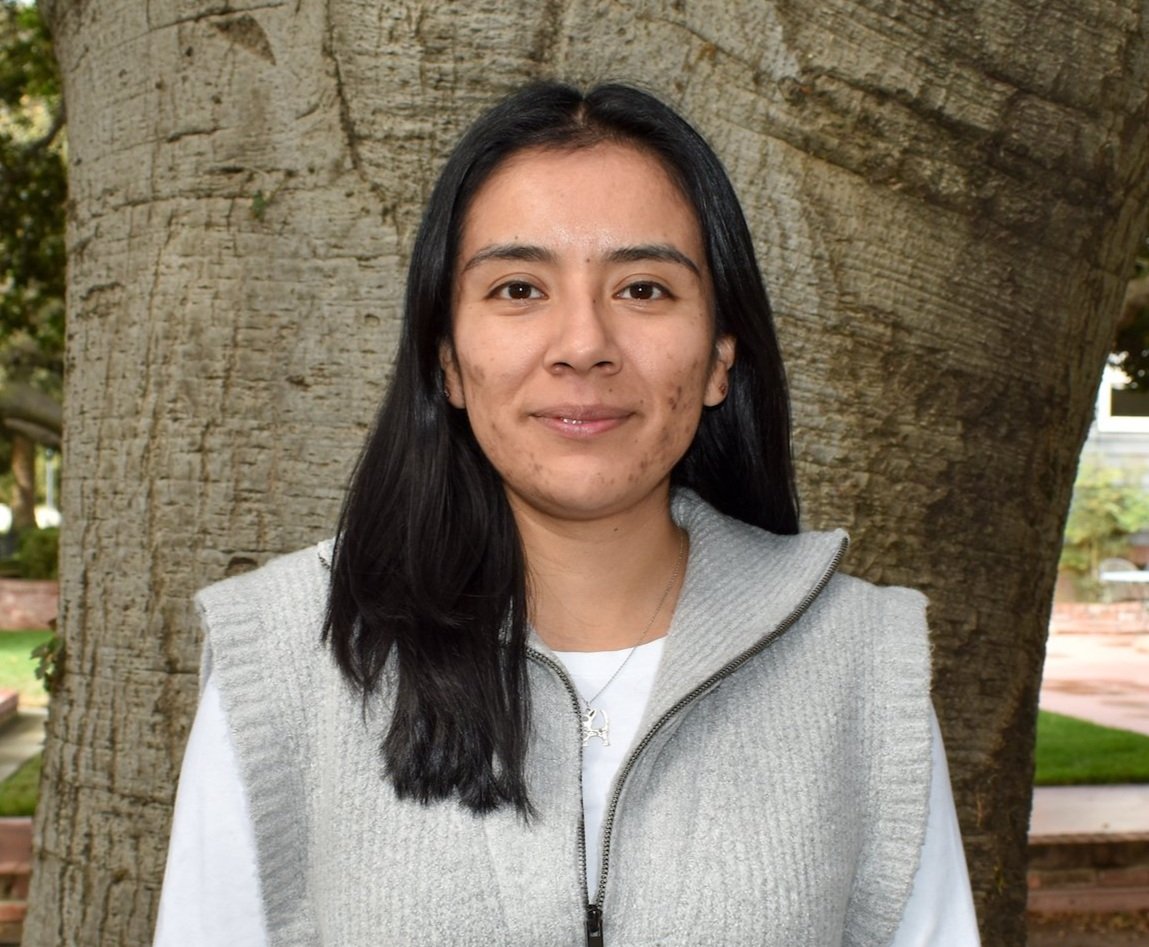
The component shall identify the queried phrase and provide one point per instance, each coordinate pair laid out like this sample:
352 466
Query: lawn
19 792
1072 752
18 672
18 667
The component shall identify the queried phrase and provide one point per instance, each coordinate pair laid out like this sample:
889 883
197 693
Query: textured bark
946 199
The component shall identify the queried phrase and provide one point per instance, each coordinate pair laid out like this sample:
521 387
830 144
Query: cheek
683 400
484 385
686 387
494 364
490 390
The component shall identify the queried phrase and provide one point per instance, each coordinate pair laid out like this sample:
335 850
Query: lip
581 420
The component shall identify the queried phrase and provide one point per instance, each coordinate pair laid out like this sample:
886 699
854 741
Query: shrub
38 555
1108 507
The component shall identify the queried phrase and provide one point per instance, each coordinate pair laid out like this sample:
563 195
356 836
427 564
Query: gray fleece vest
776 795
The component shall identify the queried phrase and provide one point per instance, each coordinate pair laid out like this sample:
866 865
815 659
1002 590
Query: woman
569 673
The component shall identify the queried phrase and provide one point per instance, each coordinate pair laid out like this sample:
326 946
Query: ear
719 382
452 381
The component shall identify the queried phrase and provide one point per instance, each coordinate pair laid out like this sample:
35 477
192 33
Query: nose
583 338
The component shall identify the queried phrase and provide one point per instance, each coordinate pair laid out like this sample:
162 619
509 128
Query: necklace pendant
589 718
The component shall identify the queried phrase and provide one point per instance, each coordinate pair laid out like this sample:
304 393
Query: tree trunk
946 208
23 482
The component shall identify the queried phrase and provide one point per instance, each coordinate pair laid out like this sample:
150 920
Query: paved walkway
21 737
1098 676
1102 677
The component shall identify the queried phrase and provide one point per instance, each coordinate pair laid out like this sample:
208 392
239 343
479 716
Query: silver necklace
595 722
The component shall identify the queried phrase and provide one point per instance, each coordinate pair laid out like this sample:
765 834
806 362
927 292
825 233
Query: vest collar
743 588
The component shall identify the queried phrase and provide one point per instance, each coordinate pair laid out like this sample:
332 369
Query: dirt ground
1089 930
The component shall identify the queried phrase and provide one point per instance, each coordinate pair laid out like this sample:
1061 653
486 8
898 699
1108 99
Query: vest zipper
594 926
593 911
594 917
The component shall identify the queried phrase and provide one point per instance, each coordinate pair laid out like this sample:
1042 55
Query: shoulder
298 579
273 612
885 630
884 608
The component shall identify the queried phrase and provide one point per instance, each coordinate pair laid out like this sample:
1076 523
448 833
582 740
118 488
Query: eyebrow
510 251
534 254
653 251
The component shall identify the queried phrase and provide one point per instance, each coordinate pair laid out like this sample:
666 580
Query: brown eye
517 290
644 291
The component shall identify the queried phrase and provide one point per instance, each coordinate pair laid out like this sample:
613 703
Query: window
1118 408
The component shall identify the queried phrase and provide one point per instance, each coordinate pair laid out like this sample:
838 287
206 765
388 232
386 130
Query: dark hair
428 579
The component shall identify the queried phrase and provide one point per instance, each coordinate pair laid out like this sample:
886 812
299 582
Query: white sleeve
211 887
939 912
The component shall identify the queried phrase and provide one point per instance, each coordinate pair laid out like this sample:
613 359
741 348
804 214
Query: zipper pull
594 926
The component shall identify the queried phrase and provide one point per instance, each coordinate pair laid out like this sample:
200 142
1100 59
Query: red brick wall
27 603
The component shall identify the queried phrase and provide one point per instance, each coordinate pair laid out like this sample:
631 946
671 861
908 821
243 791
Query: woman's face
583 346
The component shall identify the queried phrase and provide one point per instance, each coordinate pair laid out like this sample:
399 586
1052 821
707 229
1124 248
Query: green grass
19 792
1072 752
17 666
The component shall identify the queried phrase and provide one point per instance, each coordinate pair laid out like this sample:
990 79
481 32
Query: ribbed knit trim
756 581
901 762
244 657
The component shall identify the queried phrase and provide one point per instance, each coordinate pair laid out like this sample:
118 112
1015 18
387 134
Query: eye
517 289
644 291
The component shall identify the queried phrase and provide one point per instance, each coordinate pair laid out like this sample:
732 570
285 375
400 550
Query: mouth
582 420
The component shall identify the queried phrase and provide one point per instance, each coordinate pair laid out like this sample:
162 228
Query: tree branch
21 403
34 432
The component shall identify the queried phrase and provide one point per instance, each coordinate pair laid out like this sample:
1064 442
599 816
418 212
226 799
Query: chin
589 498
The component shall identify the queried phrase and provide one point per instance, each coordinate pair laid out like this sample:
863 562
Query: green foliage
1108 506
33 195
25 70
1072 752
20 791
259 202
38 555
49 658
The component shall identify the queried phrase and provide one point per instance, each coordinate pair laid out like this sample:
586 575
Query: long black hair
429 574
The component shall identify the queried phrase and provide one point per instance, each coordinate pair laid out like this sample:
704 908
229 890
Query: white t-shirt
211 885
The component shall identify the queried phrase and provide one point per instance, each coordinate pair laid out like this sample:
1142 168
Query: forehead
605 192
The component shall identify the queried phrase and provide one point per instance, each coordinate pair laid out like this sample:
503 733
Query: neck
597 585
